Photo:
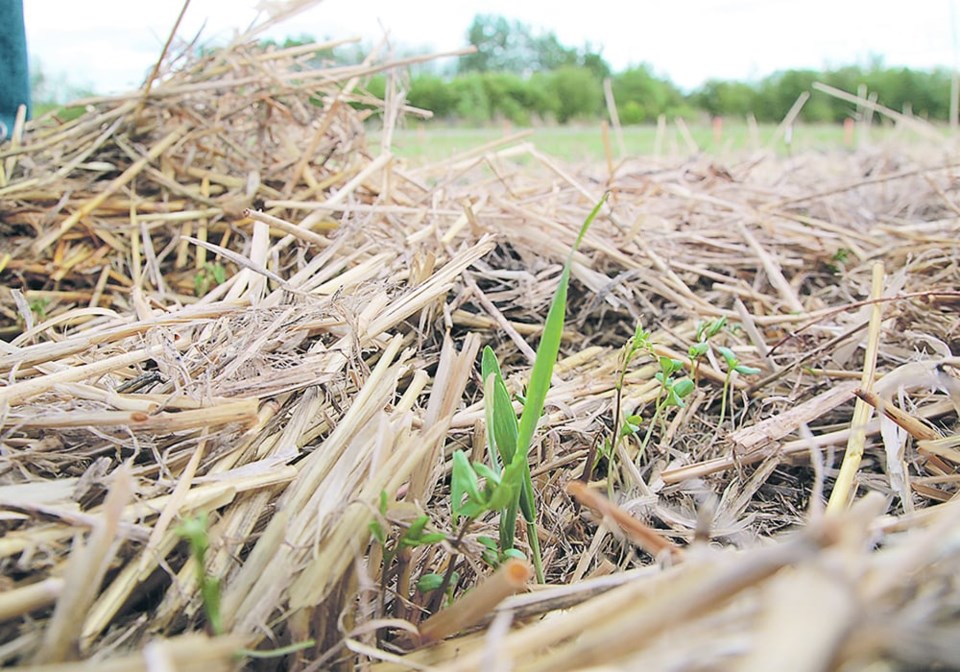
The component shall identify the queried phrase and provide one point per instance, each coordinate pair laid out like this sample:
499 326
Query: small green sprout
39 308
210 275
699 350
733 365
491 551
430 581
194 530
671 394
508 486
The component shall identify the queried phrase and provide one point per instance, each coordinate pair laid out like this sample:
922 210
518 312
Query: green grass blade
549 347
540 377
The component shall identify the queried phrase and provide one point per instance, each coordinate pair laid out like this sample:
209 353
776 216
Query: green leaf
471 510
701 328
728 356
605 450
516 487
219 273
549 346
631 425
514 553
485 472
508 491
376 529
698 350
416 527
669 366
677 391
683 387
487 542
500 416
746 370
464 482
194 530
210 593
429 582
713 328
640 335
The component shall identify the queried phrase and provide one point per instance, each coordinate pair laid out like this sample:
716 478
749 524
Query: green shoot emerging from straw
194 530
699 350
733 364
508 486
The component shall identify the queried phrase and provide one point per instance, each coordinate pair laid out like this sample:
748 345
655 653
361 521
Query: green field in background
427 143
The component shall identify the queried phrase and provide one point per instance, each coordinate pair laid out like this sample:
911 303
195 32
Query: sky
109 45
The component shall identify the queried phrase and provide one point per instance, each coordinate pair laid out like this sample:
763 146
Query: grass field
426 143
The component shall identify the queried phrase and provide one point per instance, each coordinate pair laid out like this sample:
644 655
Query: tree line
523 76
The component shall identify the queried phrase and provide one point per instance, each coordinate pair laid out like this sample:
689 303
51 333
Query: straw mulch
220 300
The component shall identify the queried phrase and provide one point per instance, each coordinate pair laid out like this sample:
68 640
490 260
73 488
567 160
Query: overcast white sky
108 45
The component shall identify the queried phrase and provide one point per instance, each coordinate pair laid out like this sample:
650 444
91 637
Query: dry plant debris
218 301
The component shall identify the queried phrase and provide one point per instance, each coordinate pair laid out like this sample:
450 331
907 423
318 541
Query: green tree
543 96
594 62
723 98
512 46
433 93
549 54
509 95
577 93
777 93
501 45
472 102
642 96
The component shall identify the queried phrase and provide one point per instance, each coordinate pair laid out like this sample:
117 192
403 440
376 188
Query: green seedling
699 350
623 427
639 342
398 555
194 530
838 261
671 394
732 364
39 308
508 487
433 581
413 536
210 275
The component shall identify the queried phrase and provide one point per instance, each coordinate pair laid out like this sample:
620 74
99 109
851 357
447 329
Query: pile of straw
218 300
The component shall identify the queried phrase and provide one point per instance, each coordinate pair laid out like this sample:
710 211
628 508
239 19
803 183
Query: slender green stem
649 432
436 601
723 399
534 540
653 421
